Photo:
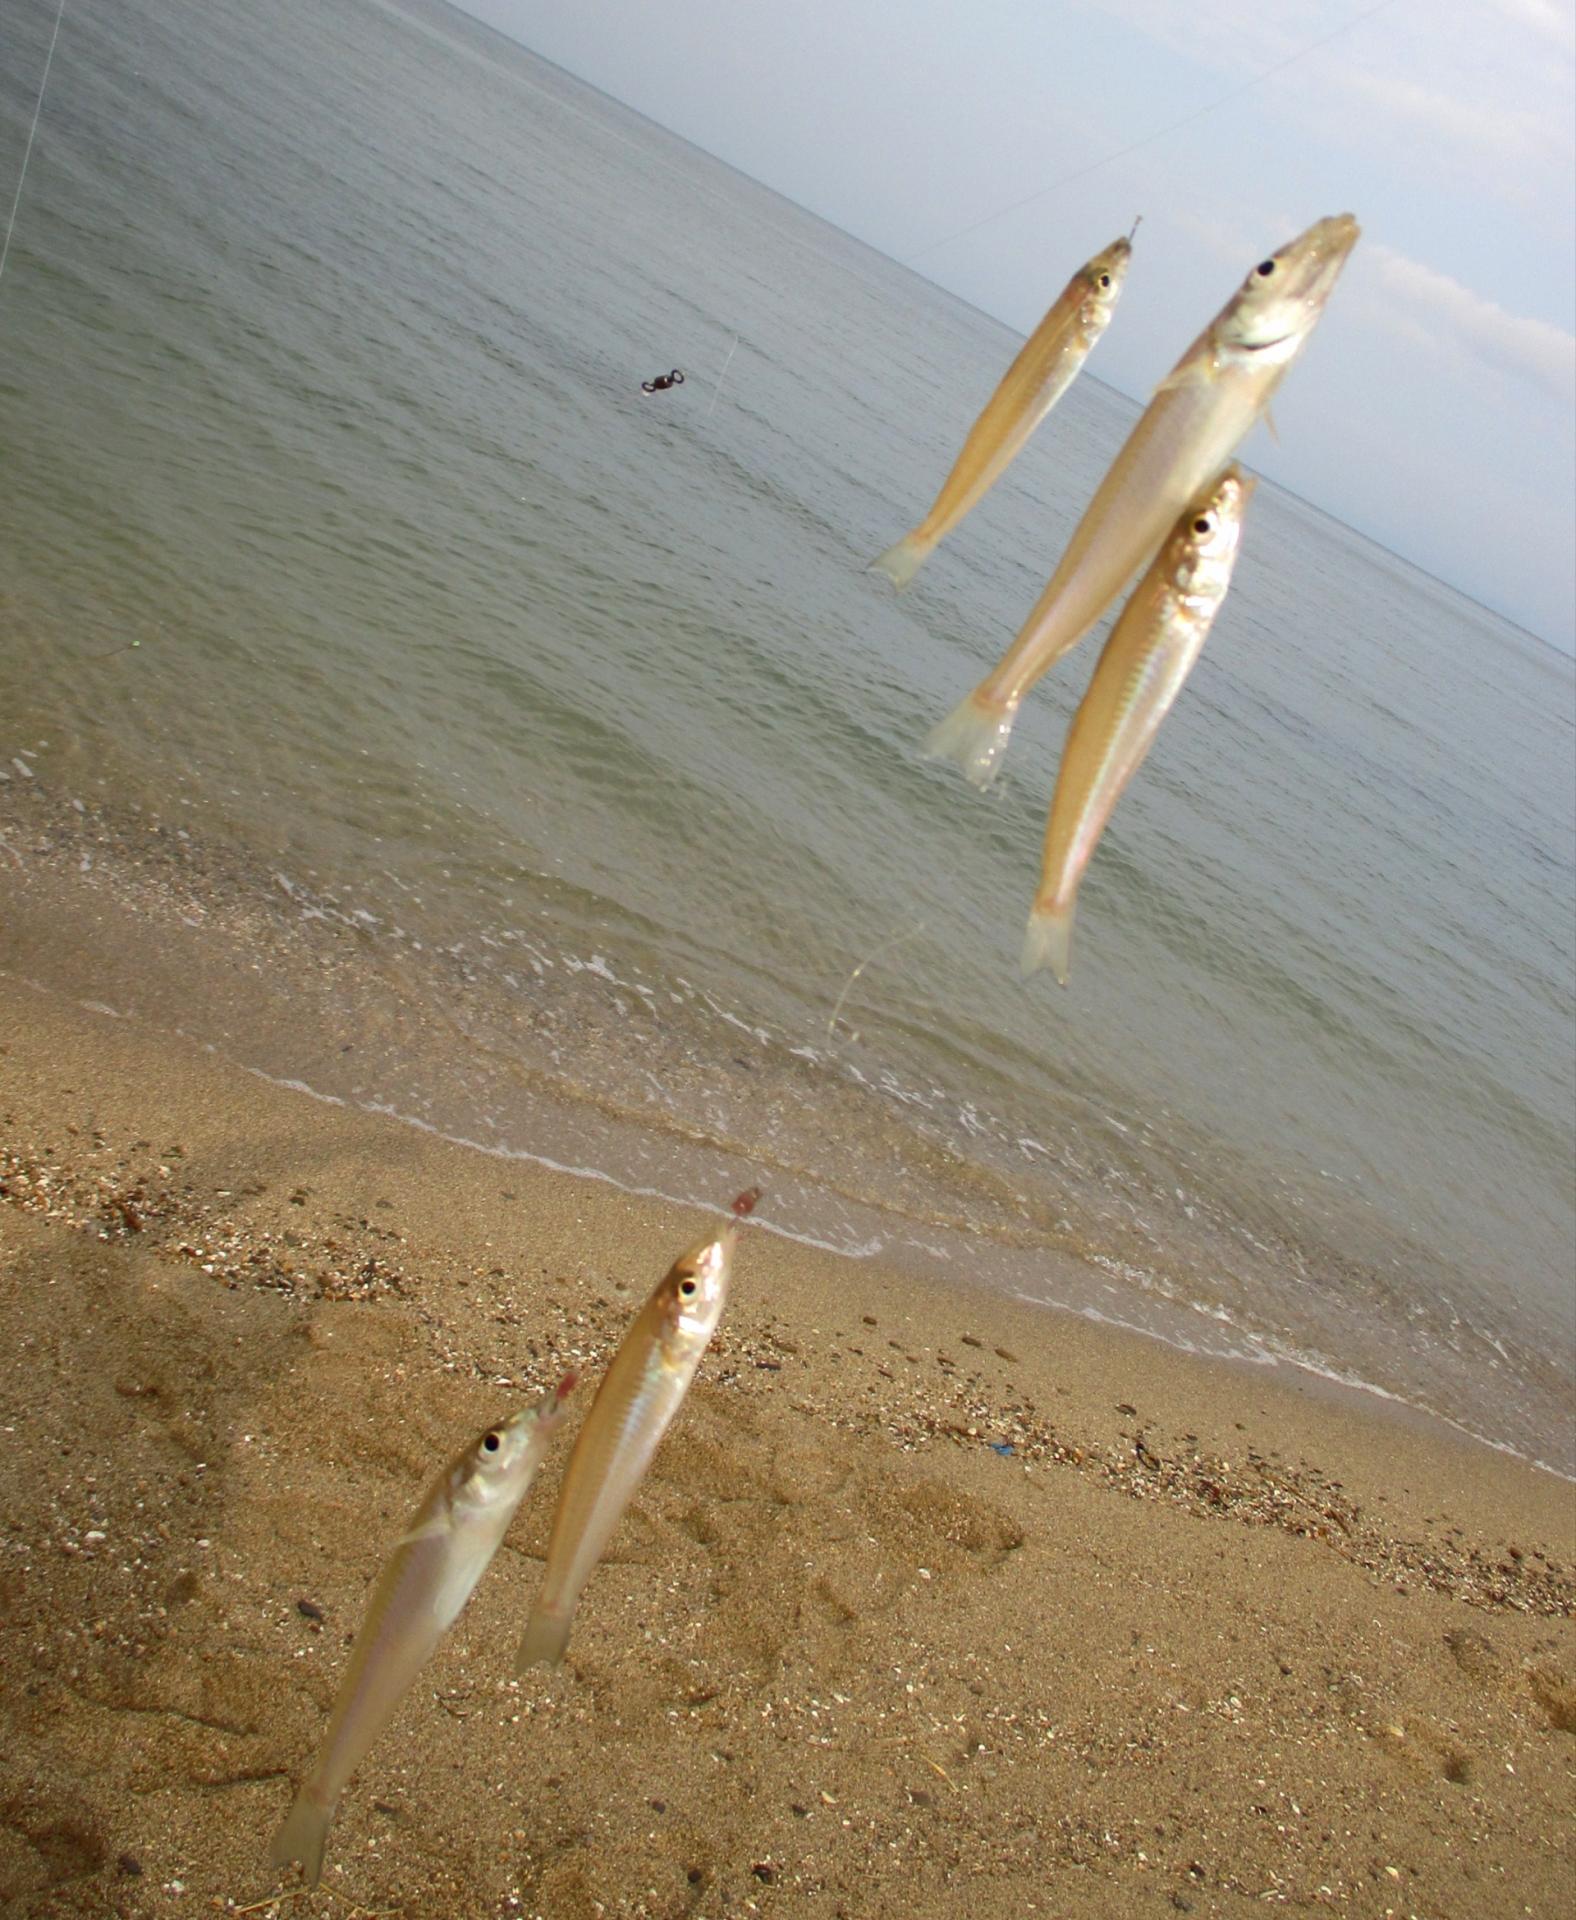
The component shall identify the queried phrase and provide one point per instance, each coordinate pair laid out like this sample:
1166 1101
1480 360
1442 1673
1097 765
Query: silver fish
427 1580
1045 368
1183 439
642 1390
1140 672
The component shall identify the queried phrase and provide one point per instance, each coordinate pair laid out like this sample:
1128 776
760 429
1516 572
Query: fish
1045 368
640 1393
1150 653
1199 414
427 1579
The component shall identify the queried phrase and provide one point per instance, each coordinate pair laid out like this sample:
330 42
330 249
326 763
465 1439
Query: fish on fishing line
1141 670
1216 392
1046 366
640 1394
425 1582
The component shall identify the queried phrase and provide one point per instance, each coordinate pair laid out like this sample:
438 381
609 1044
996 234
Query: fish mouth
1317 256
1343 235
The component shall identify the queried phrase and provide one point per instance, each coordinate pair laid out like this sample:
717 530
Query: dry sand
1204 1638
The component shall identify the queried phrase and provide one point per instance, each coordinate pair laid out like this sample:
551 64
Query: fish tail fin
303 1835
546 1636
975 735
902 562
1049 938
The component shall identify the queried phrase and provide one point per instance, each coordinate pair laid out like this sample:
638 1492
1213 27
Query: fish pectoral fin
1193 372
1269 421
428 1530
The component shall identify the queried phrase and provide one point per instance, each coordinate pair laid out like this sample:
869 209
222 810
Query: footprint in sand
52 1853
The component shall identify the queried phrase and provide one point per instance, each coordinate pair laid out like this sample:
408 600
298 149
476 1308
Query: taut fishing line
898 939
1173 126
722 376
32 135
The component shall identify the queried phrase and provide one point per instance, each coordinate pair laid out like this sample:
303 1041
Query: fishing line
27 151
723 375
1174 126
898 939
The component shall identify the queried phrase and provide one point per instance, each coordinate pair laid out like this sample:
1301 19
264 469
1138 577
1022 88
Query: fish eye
1264 269
491 1443
1105 279
687 1287
1203 524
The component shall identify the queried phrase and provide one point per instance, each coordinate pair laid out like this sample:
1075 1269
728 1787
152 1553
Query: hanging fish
1150 653
428 1578
642 1390
1185 436
1043 371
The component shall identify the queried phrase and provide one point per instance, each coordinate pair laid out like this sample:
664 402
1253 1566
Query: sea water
552 743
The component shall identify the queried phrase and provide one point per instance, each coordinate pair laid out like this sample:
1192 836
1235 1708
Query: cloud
1543 17
1490 99
1238 36
1473 127
1435 307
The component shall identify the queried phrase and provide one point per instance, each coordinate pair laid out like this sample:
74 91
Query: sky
1435 408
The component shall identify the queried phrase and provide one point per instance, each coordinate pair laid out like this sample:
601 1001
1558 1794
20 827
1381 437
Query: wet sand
931 1597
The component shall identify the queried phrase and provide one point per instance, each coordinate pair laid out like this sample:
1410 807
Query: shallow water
323 341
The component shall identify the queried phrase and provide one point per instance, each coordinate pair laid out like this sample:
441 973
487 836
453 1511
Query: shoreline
947 1294
928 1593
1361 1397
178 922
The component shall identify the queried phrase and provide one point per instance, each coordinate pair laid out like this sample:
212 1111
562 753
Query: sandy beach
416 732
930 1596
